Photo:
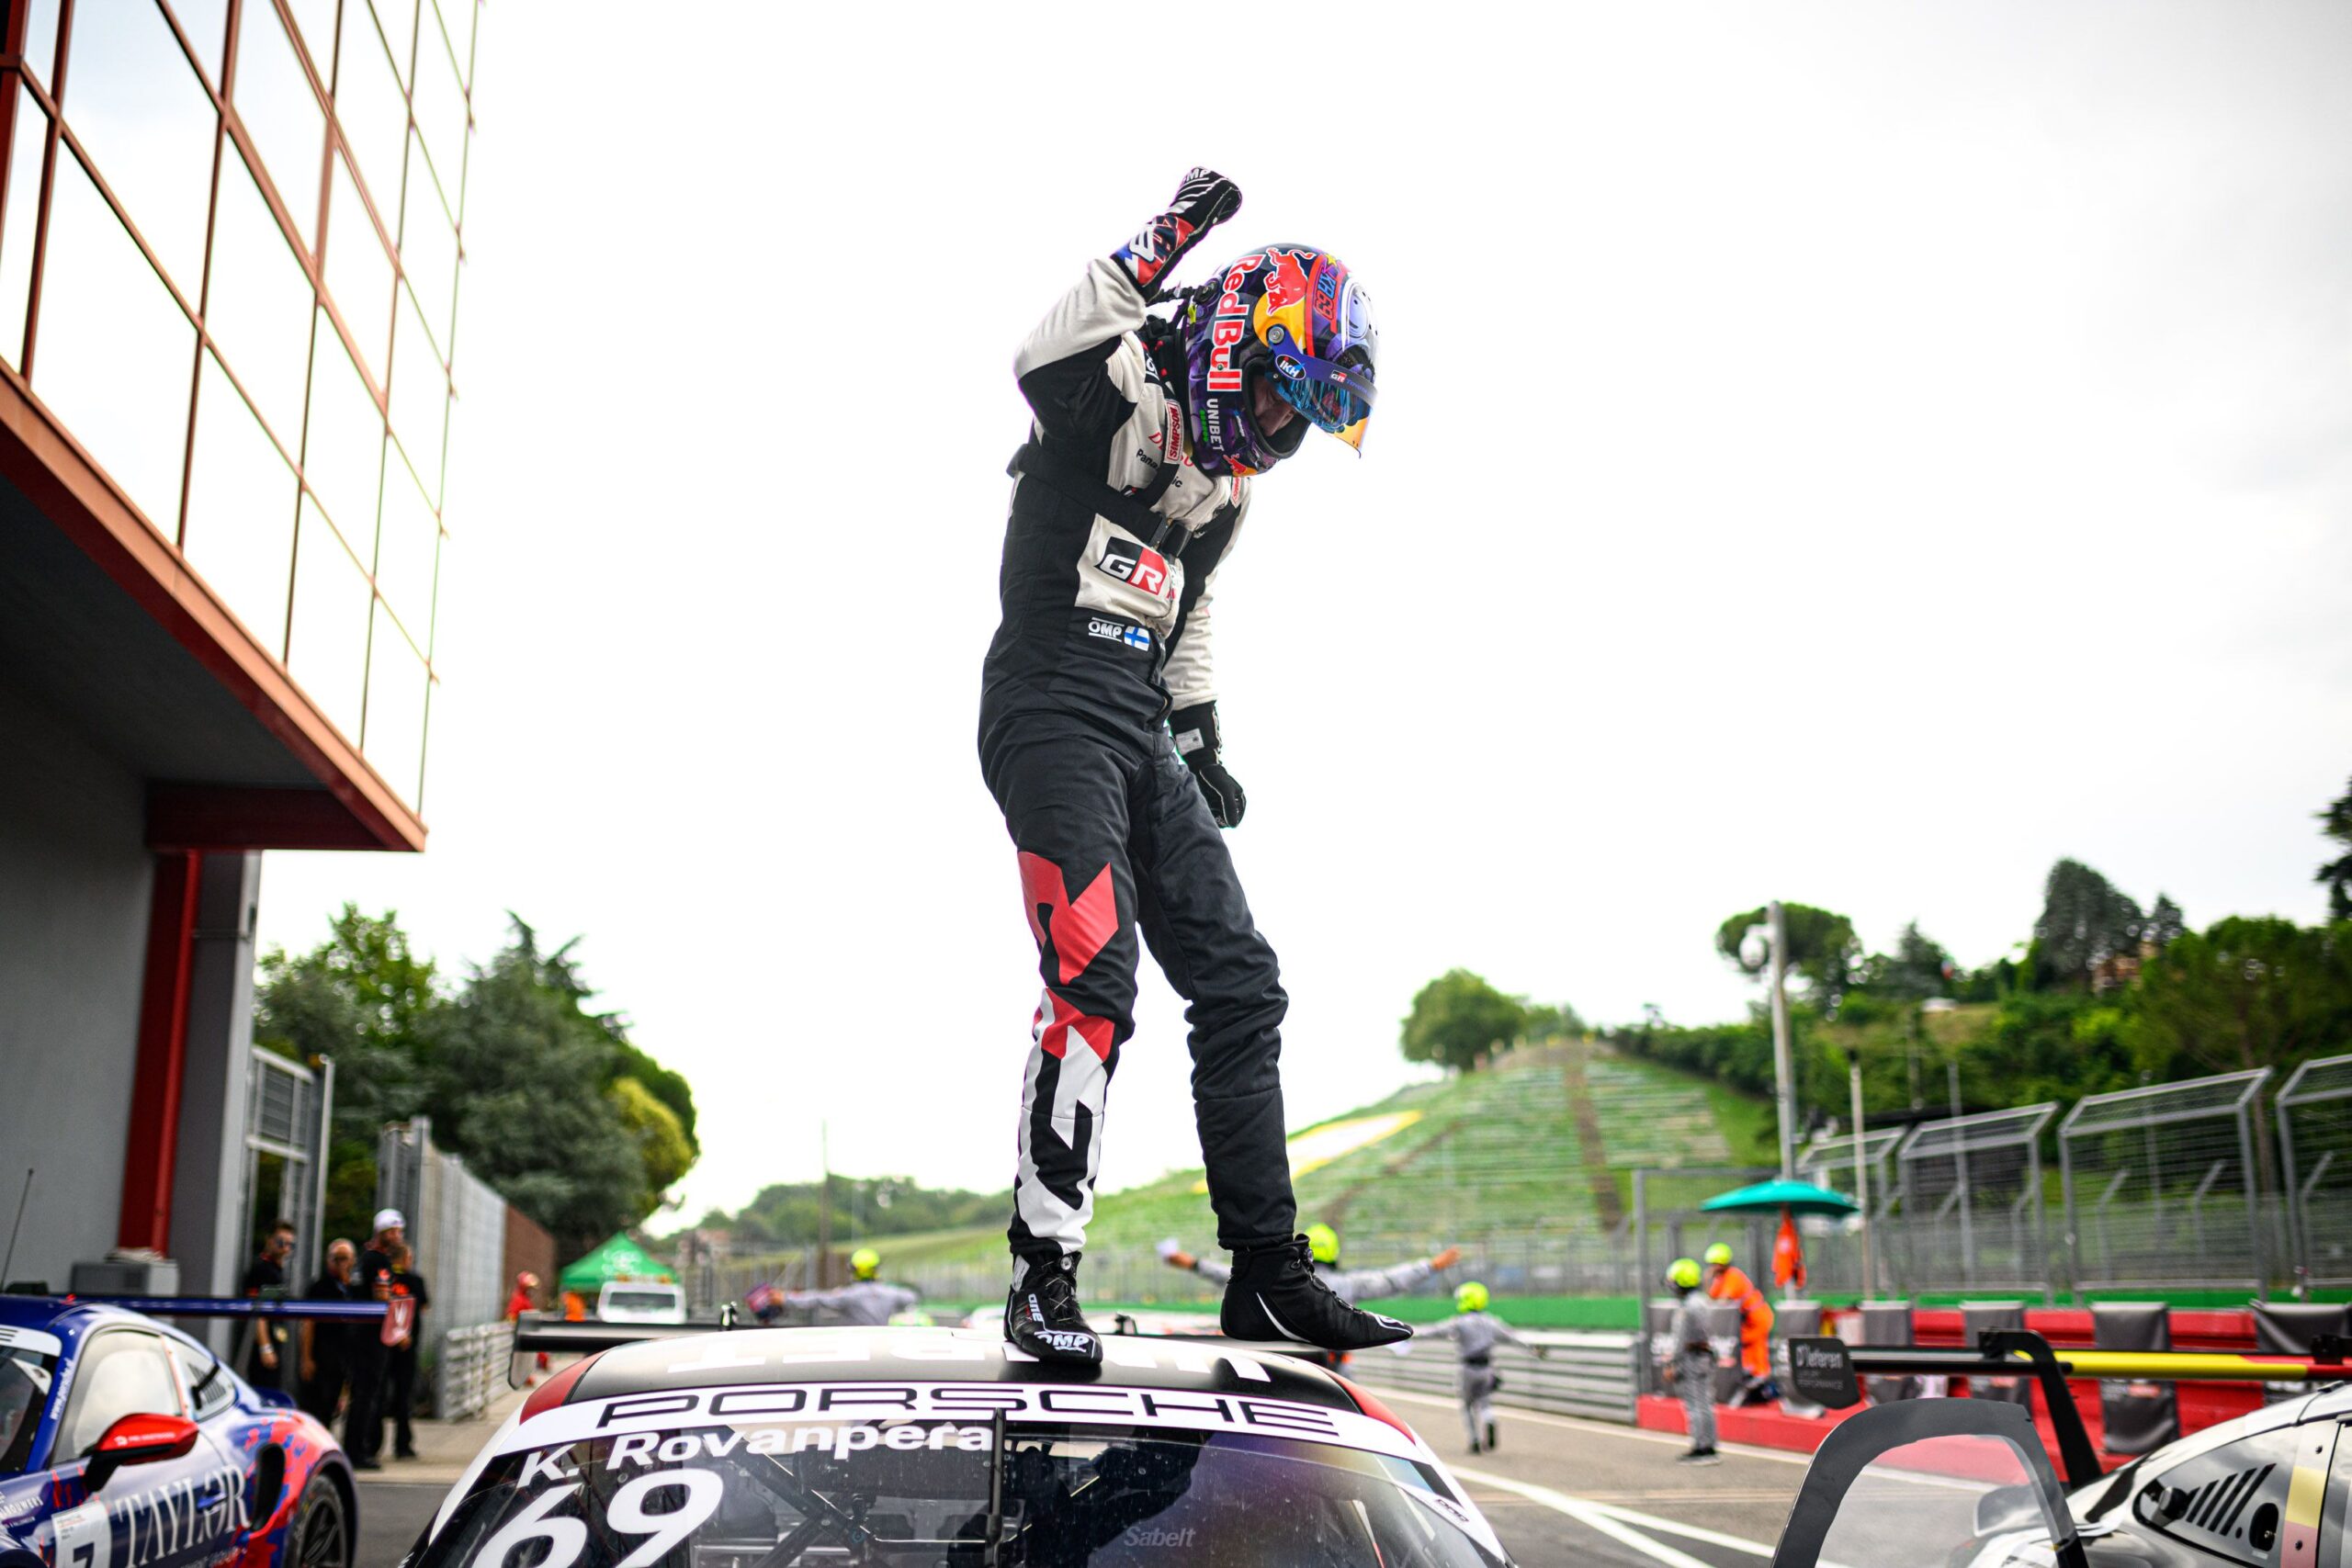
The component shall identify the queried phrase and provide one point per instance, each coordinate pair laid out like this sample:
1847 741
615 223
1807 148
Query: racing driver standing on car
1099 734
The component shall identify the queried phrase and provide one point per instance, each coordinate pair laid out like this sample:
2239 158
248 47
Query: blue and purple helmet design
1292 315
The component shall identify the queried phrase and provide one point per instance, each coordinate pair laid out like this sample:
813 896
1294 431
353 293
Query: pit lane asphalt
1561 1491
1558 1492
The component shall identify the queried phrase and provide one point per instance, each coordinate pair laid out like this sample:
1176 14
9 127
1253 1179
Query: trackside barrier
1588 1375
471 1370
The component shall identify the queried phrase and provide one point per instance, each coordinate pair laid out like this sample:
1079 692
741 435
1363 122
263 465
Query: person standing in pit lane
1690 1362
867 1299
1100 738
371 1280
326 1346
1476 1332
1350 1285
264 1280
1726 1281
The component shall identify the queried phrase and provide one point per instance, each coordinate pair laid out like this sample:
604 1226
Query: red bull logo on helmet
1231 326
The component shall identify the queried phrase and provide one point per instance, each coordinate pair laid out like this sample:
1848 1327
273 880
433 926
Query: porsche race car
768 1447
126 1444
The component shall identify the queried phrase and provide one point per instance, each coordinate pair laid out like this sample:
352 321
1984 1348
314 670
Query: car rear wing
2006 1352
537 1331
241 1306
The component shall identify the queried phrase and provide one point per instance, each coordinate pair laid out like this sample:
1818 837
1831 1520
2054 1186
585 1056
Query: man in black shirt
326 1346
264 1280
371 1280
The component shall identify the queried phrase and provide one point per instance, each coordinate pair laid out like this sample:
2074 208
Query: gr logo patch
1136 565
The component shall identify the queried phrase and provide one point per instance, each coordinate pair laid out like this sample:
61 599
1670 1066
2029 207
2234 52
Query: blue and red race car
126 1444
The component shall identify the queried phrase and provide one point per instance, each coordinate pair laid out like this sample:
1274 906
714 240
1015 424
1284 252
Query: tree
520 1072
2165 923
2084 921
1458 1021
2336 823
1917 968
663 1147
1546 1020
1823 949
2243 992
365 1000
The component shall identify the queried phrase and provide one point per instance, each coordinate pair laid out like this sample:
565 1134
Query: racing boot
1276 1294
1041 1315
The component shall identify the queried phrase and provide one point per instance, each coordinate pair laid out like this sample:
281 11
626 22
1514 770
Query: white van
641 1300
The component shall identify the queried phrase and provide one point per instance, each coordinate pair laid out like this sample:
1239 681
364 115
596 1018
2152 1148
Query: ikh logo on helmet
1138 566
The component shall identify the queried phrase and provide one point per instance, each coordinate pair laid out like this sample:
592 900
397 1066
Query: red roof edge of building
58 477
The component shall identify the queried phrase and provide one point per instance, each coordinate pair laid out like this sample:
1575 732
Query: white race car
768 1447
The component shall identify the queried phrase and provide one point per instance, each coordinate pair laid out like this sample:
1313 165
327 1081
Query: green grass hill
1546 1137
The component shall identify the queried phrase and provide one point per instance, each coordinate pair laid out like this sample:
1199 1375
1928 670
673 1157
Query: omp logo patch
1119 631
1136 565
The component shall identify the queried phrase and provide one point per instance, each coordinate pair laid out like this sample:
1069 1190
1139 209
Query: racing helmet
1323 1244
1719 1254
1470 1296
1292 316
1683 1273
864 1262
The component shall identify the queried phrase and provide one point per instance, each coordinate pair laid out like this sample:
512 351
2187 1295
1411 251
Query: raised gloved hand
1446 1260
1196 741
1205 200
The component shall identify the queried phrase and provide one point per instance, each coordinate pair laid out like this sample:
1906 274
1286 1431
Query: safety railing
472 1370
1588 1375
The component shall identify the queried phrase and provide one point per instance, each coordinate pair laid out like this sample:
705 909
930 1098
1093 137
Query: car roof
71 1319
945 1355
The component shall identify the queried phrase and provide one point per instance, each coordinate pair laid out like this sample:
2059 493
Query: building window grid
228 126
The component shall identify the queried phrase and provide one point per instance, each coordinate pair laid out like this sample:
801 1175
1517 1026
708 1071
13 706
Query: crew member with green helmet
1323 1246
867 1299
1475 1332
1690 1362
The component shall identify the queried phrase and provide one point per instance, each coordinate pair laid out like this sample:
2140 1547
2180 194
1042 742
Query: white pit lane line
1617 1524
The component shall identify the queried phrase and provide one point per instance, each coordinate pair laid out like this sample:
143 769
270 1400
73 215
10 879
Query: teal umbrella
1798 1197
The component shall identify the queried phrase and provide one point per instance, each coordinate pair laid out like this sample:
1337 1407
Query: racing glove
1196 741
1205 200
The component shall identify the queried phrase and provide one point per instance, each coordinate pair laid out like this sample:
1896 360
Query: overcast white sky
1855 454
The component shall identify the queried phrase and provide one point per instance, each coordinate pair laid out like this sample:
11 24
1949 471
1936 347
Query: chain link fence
2314 1111
1973 1198
2164 1186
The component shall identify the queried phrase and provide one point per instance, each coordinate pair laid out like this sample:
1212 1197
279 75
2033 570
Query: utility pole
1862 1172
1783 1077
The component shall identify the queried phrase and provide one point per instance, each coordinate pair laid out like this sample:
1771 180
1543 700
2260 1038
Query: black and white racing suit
1106 630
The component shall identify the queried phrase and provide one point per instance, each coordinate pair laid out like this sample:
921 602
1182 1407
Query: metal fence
2164 1186
1972 1201
456 1226
471 1370
2179 1185
1829 1162
1589 1374
2314 1111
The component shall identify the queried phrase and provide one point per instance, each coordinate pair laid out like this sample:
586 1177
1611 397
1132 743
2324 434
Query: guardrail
472 1370
1589 1374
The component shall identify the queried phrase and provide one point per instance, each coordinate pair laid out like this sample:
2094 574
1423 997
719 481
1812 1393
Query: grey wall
75 883
209 1185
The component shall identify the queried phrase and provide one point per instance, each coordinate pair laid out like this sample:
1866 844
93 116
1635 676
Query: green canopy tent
619 1258
1791 1198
